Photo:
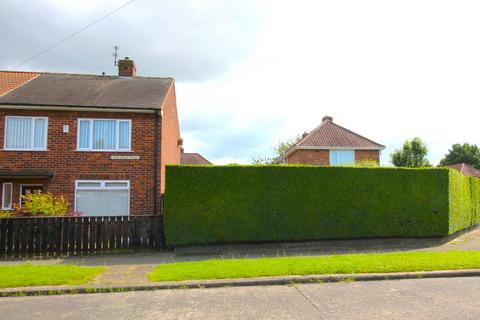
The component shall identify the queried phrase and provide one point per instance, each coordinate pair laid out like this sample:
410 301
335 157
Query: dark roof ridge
86 74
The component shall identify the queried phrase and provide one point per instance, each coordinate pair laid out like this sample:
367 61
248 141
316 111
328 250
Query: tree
279 149
413 154
462 153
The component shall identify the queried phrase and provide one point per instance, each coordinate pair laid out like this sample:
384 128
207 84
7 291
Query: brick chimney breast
126 68
327 118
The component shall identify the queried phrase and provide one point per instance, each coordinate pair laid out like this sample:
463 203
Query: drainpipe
156 152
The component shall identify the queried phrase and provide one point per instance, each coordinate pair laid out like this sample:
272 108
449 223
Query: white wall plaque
125 157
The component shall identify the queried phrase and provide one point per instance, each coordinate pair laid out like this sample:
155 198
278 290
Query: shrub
367 163
42 204
222 204
6 214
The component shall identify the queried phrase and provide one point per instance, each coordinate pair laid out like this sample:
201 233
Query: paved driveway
402 299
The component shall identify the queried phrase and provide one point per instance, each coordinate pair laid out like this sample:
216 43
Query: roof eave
76 108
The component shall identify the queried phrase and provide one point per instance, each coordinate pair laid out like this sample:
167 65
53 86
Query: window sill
26 150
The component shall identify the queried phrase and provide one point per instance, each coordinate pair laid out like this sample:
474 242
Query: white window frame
10 206
117 135
32 137
340 150
102 187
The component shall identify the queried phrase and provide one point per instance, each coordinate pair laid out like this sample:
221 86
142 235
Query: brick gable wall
171 134
322 157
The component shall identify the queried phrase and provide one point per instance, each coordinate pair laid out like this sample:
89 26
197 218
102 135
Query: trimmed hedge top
235 203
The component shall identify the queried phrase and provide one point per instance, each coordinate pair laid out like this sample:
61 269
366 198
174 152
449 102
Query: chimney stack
126 68
327 118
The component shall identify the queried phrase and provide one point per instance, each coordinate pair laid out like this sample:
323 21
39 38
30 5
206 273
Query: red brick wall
322 157
318 157
170 134
70 165
362 155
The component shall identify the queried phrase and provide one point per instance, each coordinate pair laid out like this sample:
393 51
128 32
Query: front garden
29 275
324 265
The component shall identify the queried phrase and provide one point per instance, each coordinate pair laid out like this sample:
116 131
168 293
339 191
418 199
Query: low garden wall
225 204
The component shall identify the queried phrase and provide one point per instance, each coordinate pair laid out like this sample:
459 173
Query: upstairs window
342 157
26 133
104 135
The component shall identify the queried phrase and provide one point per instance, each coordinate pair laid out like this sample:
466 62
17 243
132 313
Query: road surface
456 298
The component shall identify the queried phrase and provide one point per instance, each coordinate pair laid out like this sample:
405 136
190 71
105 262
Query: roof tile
72 90
10 80
193 158
331 135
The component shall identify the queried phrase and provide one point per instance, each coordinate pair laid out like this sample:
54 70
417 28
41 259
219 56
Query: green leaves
412 155
462 153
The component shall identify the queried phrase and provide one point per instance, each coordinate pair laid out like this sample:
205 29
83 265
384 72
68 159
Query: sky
252 73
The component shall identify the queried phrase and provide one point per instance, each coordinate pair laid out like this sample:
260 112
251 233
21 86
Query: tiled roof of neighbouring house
331 135
94 91
193 158
10 80
466 169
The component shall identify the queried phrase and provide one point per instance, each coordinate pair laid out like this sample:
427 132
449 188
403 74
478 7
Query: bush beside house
224 204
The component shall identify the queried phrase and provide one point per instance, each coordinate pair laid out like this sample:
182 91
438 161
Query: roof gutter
75 108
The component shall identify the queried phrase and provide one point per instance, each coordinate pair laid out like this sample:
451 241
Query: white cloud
389 70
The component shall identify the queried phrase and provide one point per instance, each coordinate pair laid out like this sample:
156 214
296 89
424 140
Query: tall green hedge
224 204
464 202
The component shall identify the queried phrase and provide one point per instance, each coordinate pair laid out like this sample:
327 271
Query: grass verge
335 264
27 275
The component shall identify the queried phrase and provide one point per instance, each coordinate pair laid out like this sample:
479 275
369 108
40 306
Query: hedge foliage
225 204
464 202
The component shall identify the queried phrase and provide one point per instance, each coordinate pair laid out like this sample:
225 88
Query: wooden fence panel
56 236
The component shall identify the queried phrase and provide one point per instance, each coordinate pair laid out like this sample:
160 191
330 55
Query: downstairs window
102 198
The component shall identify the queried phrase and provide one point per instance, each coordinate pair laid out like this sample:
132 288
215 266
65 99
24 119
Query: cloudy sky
250 73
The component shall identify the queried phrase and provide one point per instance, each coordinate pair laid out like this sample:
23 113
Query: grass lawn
27 275
349 264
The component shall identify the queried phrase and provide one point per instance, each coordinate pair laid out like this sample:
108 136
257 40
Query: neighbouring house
193 158
466 169
101 141
331 144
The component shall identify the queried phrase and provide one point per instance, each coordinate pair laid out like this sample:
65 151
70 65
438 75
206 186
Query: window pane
346 157
102 202
84 134
7 196
39 137
89 184
104 134
124 135
19 133
333 157
116 185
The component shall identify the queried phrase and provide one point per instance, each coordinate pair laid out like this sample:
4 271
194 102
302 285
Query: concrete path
457 298
132 269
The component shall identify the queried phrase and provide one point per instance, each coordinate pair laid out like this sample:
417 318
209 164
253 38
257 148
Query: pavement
442 298
132 269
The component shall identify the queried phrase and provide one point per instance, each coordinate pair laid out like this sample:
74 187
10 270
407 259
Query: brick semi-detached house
101 141
331 144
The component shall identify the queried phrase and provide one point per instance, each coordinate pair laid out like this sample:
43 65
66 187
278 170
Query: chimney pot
126 68
327 118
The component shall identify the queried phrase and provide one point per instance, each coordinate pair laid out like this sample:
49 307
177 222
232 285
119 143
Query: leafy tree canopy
413 154
462 153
